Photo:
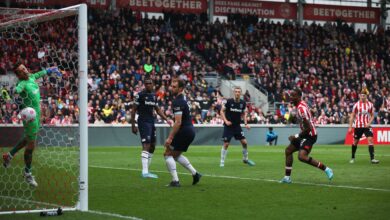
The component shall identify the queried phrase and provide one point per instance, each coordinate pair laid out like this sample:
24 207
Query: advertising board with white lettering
381 136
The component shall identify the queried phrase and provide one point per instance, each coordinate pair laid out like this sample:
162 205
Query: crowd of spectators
329 63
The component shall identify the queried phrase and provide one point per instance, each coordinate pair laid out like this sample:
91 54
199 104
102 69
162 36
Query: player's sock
371 151
17 147
186 164
150 159
321 166
245 154
354 148
28 160
223 154
145 162
171 165
288 171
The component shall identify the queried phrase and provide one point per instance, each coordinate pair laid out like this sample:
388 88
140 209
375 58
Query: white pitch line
256 179
113 215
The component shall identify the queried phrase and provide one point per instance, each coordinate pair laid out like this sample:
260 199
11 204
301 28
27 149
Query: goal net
41 39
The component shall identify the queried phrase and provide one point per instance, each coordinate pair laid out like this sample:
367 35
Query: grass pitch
237 191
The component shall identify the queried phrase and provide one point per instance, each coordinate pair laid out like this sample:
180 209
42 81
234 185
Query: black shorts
183 139
360 131
229 132
305 143
147 131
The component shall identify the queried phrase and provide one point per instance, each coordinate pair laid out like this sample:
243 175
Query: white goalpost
42 39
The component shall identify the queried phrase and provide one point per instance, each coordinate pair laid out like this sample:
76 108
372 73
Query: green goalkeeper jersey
29 91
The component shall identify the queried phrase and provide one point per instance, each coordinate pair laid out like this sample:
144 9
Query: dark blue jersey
146 103
180 106
234 110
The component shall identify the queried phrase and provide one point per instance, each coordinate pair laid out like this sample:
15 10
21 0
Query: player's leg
303 156
171 166
369 134
239 135
7 157
245 157
226 137
151 152
28 155
290 149
181 145
356 137
146 133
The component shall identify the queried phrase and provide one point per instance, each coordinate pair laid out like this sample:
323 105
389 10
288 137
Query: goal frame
81 11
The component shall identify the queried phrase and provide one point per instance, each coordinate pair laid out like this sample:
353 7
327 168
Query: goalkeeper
28 90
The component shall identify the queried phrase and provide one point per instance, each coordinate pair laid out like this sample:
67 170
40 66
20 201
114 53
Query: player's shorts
147 131
229 132
305 143
360 131
183 139
31 129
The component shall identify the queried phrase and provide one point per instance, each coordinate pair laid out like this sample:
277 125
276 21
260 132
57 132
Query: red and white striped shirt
304 113
362 112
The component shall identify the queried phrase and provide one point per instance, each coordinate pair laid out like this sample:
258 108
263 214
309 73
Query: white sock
186 163
150 159
171 165
223 155
144 160
245 154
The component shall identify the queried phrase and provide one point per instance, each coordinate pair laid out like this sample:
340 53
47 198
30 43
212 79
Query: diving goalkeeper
28 90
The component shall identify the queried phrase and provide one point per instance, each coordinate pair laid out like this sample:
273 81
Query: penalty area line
113 215
255 179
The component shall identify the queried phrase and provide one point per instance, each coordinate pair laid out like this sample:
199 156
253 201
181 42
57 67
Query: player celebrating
145 104
181 135
363 110
304 141
235 109
29 92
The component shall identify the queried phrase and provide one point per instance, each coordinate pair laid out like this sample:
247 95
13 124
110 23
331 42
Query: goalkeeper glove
54 70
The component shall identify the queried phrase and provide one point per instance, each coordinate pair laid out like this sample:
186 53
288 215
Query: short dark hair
16 65
180 82
299 92
148 79
271 128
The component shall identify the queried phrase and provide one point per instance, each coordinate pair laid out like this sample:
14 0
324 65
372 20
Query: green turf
237 191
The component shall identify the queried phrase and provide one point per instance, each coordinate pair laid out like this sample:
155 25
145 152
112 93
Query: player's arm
19 87
222 113
162 115
132 118
47 71
306 128
176 126
371 118
351 119
245 114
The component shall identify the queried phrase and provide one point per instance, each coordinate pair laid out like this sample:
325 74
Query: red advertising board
345 13
261 9
381 137
64 3
185 6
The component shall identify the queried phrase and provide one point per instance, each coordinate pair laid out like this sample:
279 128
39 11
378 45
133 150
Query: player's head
237 92
21 71
148 84
177 86
296 96
270 128
363 94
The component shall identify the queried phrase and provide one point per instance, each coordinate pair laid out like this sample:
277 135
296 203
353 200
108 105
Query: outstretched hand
54 70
